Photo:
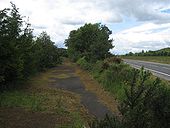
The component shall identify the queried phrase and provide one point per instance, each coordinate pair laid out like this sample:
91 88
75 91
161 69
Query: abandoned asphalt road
159 70
73 83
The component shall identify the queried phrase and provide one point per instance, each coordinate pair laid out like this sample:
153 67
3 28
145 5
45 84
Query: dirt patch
20 118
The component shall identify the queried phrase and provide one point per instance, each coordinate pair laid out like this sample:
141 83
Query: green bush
146 104
107 122
115 60
82 62
160 107
114 77
144 101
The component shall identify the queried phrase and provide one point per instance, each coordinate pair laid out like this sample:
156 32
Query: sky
136 24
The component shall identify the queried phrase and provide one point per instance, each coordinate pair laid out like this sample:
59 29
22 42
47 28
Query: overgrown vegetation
90 41
21 54
141 107
37 96
144 101
82 62
22 99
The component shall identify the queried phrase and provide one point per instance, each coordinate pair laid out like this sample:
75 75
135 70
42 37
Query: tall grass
21 99
113 78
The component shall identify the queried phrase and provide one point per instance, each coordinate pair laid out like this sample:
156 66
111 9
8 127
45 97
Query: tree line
161 52
21 53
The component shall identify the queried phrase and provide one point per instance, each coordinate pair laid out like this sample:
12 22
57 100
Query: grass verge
158 59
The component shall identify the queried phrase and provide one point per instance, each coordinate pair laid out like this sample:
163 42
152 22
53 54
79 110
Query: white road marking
149 62
137 66
159 66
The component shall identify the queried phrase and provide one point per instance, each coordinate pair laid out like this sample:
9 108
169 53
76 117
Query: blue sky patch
166 11
128 22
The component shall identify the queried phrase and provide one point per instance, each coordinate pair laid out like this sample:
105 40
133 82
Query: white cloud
147 36
59 17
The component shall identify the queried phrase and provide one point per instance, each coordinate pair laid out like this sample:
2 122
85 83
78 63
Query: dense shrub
115 60
105 65
111 75
160 108
107 122
109 61
144 101
114 77
84 64
146 104
63 52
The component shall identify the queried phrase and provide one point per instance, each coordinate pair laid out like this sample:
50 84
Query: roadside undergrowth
39 97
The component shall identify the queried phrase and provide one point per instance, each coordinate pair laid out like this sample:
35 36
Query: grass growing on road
22 99
39 97
158 59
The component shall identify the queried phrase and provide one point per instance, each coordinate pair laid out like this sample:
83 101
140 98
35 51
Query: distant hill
161 52
164 50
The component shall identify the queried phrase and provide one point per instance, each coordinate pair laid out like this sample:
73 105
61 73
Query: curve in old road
68 80
158 69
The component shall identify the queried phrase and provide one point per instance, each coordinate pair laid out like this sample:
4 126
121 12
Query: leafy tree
48 53
20 54
63 52
11 63
91 41
28 51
